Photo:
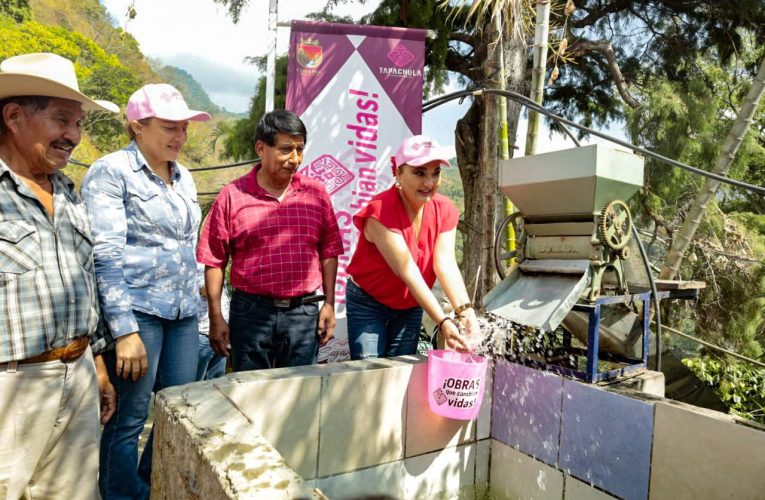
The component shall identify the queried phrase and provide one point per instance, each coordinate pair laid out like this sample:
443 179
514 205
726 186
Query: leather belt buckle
67 353
285 303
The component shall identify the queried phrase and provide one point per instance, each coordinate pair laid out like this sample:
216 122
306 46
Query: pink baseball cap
419 150
161 100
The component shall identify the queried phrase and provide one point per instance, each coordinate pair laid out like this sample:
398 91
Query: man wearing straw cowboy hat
50 386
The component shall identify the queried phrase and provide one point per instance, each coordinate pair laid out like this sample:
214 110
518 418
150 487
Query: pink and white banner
358 89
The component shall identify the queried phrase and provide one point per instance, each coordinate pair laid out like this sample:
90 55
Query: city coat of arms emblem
309 53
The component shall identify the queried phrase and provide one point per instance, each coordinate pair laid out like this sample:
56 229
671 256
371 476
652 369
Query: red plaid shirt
276 248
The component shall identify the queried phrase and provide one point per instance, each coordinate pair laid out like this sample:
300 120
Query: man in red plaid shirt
280 231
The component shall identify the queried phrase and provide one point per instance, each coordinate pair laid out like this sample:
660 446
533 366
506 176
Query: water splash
501 337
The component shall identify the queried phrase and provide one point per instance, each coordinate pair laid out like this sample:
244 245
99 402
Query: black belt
284 303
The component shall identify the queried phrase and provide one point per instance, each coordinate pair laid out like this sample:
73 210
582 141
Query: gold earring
398 185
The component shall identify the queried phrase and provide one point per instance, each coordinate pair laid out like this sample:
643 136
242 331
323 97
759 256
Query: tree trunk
724 161
477 145
477 156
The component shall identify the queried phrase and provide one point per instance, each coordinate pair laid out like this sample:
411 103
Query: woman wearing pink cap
407 240
144 215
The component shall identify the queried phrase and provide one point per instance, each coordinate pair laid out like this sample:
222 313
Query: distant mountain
90 18
109 65
195 95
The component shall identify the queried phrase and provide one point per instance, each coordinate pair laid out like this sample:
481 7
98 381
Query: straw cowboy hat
46 75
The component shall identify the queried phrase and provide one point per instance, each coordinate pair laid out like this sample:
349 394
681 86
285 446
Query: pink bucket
456 383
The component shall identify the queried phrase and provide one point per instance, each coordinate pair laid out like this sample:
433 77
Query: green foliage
100 75
651 40
678 120
739 386
234 7
109 65
729 312
451 187
239 141
727 254
89 17
423 14
426 14
18 10
688 120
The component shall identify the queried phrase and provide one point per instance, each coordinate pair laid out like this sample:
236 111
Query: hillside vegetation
109 65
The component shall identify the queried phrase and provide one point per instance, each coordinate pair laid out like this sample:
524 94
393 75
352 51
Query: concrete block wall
557 438
205 448
346 429
364 428
700 453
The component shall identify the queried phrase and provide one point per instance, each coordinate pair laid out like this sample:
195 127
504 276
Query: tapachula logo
401 56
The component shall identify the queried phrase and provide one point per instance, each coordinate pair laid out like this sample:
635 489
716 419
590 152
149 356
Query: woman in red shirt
407 241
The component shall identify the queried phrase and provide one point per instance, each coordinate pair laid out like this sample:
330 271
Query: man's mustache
64 143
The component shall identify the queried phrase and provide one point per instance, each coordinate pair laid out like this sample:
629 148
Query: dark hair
279 121
33 103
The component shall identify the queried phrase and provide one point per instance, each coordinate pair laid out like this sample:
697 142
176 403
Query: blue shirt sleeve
103 194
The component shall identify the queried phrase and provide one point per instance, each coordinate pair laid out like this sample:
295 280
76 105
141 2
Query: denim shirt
144 253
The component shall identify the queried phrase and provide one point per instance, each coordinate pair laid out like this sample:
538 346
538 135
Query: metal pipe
273 7
715 347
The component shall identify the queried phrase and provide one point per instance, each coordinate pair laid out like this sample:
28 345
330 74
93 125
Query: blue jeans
171 348
211 364
377 331
266 336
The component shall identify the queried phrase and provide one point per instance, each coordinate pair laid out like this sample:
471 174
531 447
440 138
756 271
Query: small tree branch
459 64
461 36
658 220
596 14
604 49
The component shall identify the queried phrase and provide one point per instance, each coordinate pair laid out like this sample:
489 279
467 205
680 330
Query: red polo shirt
275 247
368 267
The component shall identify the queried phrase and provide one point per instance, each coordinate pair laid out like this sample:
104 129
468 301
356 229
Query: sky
199 37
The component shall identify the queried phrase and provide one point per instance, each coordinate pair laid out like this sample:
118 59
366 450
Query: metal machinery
576 265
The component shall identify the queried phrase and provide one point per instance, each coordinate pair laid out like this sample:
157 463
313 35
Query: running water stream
504 338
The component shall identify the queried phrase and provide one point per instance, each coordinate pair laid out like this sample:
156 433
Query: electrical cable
715 347
434 103
195 169
562 122
654 293
230 165
429 105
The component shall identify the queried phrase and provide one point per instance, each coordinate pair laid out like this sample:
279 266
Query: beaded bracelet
462 308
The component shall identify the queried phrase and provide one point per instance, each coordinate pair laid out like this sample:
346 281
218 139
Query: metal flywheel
615 225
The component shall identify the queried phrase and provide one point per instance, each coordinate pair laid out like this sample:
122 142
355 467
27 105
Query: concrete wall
361 428
559 438
205 448
346 429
